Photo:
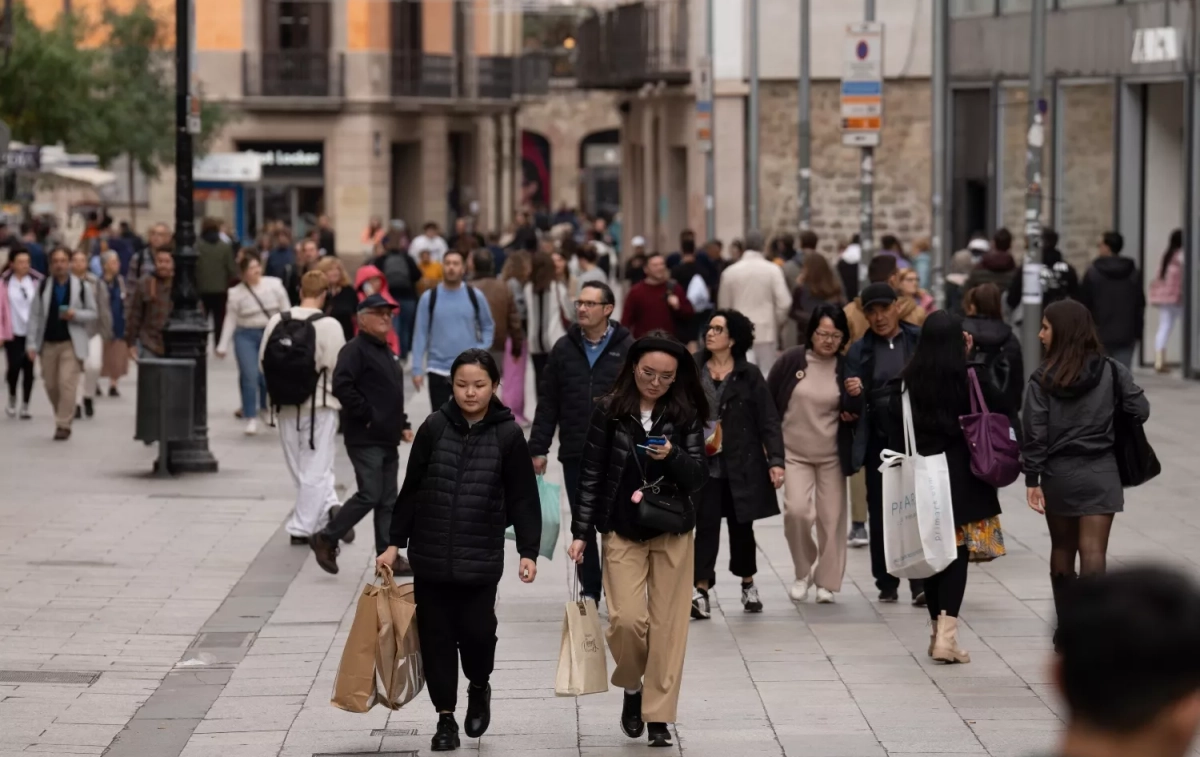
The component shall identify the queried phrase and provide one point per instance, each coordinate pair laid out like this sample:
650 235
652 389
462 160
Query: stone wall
565 118
902 171
1085 202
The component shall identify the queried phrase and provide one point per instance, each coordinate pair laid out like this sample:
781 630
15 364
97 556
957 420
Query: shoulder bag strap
255 296
978 404
910 436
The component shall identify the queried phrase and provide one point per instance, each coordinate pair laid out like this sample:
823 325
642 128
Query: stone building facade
565 118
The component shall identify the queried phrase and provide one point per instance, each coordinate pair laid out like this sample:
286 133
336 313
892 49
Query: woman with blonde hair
342 302
516 274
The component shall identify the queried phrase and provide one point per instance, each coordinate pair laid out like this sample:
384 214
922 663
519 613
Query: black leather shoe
325 551
88 408
631 716
446 738
660 735
479 711
299 541
348 538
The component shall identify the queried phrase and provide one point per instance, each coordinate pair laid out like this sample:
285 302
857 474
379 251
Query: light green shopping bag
549 495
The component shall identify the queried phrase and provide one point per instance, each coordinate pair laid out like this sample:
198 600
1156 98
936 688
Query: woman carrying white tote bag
918 515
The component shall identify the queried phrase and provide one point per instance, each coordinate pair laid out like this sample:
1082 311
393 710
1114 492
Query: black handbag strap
1112 371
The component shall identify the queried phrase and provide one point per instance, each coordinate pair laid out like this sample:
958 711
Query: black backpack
289 365
433 293
998 369
396 272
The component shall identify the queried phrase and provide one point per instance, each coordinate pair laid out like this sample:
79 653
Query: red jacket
646 309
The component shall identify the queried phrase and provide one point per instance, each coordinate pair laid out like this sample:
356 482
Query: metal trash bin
164 404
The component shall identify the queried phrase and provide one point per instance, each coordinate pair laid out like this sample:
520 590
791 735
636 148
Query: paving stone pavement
212 637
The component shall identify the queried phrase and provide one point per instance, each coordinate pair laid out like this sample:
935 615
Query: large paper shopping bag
354 688
582 665
399 662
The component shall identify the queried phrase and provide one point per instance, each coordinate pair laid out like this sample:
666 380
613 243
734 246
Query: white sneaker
252 427
11 408
824 596
799 590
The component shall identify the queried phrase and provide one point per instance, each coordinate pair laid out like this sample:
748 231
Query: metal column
938 239
866 184
1035 139
804 97
710 169
752 219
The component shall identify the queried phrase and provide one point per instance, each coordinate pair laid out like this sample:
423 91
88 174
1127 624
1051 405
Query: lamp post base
190 456
186 336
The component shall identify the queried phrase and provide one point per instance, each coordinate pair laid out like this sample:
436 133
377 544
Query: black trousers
945 590
455 620
590 574
884 581
539 365
715 502
376 470
215 304
440 391
19 367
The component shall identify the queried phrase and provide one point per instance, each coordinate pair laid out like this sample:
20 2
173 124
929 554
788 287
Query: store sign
282 159
1155 45
862 85
234 167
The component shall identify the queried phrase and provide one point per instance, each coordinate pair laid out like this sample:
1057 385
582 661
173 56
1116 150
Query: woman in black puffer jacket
626 486
469 476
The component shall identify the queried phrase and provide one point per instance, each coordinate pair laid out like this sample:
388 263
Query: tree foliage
115 98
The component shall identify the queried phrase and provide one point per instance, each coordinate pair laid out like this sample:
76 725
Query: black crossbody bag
662 507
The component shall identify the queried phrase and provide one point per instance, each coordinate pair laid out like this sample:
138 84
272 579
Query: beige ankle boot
945 643
932 636
1160 361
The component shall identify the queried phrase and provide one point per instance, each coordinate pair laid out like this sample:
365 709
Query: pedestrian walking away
1059 281
150 306
871 364
995 350
755 286
1133 689
742 422
99 331
1166 294
818 285
808 387
506 317
547 302
368 381
402 274
298 355
115 362
656 302
216 271
469 474
997 266
452 318
251 304
518 267
59 320
582 367
1112 290
643 461
939 390
19 287
1071 471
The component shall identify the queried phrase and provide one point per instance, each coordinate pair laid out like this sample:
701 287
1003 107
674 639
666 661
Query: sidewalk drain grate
222 640
47 676
72 564
395 732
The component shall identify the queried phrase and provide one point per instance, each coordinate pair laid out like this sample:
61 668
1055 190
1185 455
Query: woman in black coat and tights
642 462
742 421
469 476
938 387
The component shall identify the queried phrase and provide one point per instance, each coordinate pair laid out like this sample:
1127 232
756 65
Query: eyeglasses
828 336
650 377
718 330
589 304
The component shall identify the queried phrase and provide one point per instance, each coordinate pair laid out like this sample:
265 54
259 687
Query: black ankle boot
659 734
479 710
446 738
1060 584
631 716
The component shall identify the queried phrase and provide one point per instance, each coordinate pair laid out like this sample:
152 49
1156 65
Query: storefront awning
92 177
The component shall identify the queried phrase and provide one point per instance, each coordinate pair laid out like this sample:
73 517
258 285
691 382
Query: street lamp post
186 333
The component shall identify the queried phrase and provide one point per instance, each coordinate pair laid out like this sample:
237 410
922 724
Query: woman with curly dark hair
642 462
742 421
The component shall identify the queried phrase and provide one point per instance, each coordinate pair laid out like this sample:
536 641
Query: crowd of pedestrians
685 389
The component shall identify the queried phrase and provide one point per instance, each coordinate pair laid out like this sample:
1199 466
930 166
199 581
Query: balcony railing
416 74
634 44
495 77
293 73
534 71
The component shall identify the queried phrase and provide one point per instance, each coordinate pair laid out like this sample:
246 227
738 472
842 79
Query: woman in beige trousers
807 386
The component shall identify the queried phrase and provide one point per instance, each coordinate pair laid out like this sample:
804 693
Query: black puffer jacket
463 486
1112 290
749 423
608 454
569 388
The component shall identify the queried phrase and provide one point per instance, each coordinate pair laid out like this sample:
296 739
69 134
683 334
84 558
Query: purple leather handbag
995 454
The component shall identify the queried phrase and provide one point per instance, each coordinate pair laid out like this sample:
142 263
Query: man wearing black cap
872 362
369 382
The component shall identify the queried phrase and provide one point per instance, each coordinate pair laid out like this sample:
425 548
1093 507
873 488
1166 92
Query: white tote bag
918 516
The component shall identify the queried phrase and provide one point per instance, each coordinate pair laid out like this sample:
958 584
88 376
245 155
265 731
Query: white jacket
546 325
330 340
755 287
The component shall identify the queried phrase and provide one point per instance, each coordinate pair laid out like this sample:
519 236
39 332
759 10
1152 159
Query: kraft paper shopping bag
582 665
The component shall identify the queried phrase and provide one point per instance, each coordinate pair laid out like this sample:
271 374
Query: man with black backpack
369 382
451 318
298 354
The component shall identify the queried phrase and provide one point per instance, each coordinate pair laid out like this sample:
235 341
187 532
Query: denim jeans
250 378
403 322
